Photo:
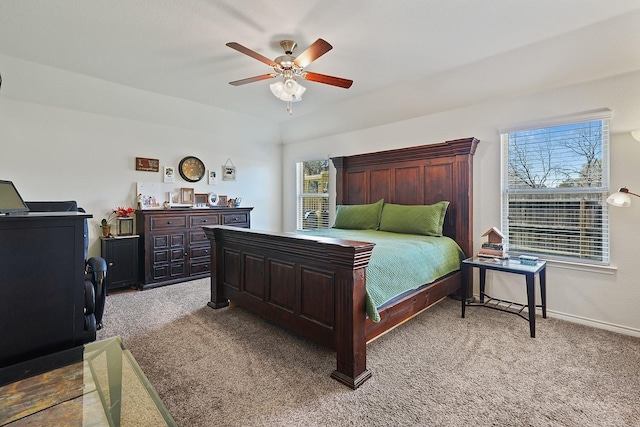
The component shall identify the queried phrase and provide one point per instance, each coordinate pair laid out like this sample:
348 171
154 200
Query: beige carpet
228 367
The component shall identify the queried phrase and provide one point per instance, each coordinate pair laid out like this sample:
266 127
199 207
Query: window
555 182
313 194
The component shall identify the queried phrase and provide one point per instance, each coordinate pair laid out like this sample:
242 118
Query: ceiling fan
289 67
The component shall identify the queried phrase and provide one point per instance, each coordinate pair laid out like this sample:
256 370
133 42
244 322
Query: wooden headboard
415 176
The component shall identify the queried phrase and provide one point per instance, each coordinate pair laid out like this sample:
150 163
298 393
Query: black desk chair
95 270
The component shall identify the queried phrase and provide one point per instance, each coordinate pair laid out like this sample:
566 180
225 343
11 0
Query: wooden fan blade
328 80
253 79
251 53
313 52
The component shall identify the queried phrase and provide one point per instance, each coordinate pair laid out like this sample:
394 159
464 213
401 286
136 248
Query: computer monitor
10 200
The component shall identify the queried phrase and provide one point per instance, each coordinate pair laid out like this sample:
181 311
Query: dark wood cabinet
173 246
121 255
43 299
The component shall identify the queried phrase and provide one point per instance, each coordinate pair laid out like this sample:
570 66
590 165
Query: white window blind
555 181
313 194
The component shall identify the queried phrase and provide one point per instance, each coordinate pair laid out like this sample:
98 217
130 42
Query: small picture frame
213 178
228 171
222 200
169 174
187 196
201 199
174 198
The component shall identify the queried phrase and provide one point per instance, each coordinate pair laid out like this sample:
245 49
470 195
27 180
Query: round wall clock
191 169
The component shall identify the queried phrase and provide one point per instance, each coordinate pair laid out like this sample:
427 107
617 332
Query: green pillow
359 217
414 219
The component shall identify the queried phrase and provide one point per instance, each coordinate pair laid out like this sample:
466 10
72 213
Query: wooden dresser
173 246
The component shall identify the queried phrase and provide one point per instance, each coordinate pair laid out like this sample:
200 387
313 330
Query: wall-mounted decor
228 171
147 165
222 200
191 169
187 196
213 178
169 172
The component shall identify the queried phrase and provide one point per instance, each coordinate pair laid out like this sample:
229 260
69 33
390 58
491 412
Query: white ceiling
177 47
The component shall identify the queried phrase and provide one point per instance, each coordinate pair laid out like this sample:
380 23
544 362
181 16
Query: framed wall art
228 171
213 177
169 173
147 165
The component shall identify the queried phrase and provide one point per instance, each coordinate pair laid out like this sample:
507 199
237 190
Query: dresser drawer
200 252
240 219
200 220
200 267
163 222
197 237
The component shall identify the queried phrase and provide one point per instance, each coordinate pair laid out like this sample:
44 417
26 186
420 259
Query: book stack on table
492 250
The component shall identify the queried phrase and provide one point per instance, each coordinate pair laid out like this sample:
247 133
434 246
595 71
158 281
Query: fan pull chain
289 108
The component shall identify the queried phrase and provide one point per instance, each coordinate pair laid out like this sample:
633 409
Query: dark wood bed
316 286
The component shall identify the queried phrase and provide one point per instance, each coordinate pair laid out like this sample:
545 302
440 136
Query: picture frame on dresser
187 195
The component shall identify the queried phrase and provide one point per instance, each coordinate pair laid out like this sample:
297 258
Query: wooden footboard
314 287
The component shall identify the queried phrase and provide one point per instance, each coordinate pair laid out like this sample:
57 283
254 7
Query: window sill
591 268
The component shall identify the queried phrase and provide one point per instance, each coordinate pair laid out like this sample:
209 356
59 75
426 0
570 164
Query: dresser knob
169 222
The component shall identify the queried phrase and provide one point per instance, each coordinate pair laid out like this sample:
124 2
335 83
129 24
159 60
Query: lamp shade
620 199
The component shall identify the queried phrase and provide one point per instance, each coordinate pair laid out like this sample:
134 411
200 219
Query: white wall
54 151
602 297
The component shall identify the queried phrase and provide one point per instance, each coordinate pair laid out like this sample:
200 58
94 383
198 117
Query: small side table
121 255
510 266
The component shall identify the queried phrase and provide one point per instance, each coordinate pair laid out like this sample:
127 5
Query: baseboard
625 330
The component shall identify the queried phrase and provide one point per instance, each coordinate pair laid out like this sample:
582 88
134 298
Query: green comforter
399 262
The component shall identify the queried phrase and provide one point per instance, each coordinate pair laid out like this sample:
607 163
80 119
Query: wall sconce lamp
621 198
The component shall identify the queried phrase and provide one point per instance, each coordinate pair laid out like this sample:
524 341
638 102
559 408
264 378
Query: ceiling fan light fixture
279 90
290 86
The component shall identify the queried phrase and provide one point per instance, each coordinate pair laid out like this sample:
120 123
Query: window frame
322 220
553 195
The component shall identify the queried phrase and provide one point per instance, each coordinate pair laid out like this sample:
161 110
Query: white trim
625 330
592 323
585 116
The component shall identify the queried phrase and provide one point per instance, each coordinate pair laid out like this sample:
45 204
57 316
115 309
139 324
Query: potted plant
106 227
119 212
